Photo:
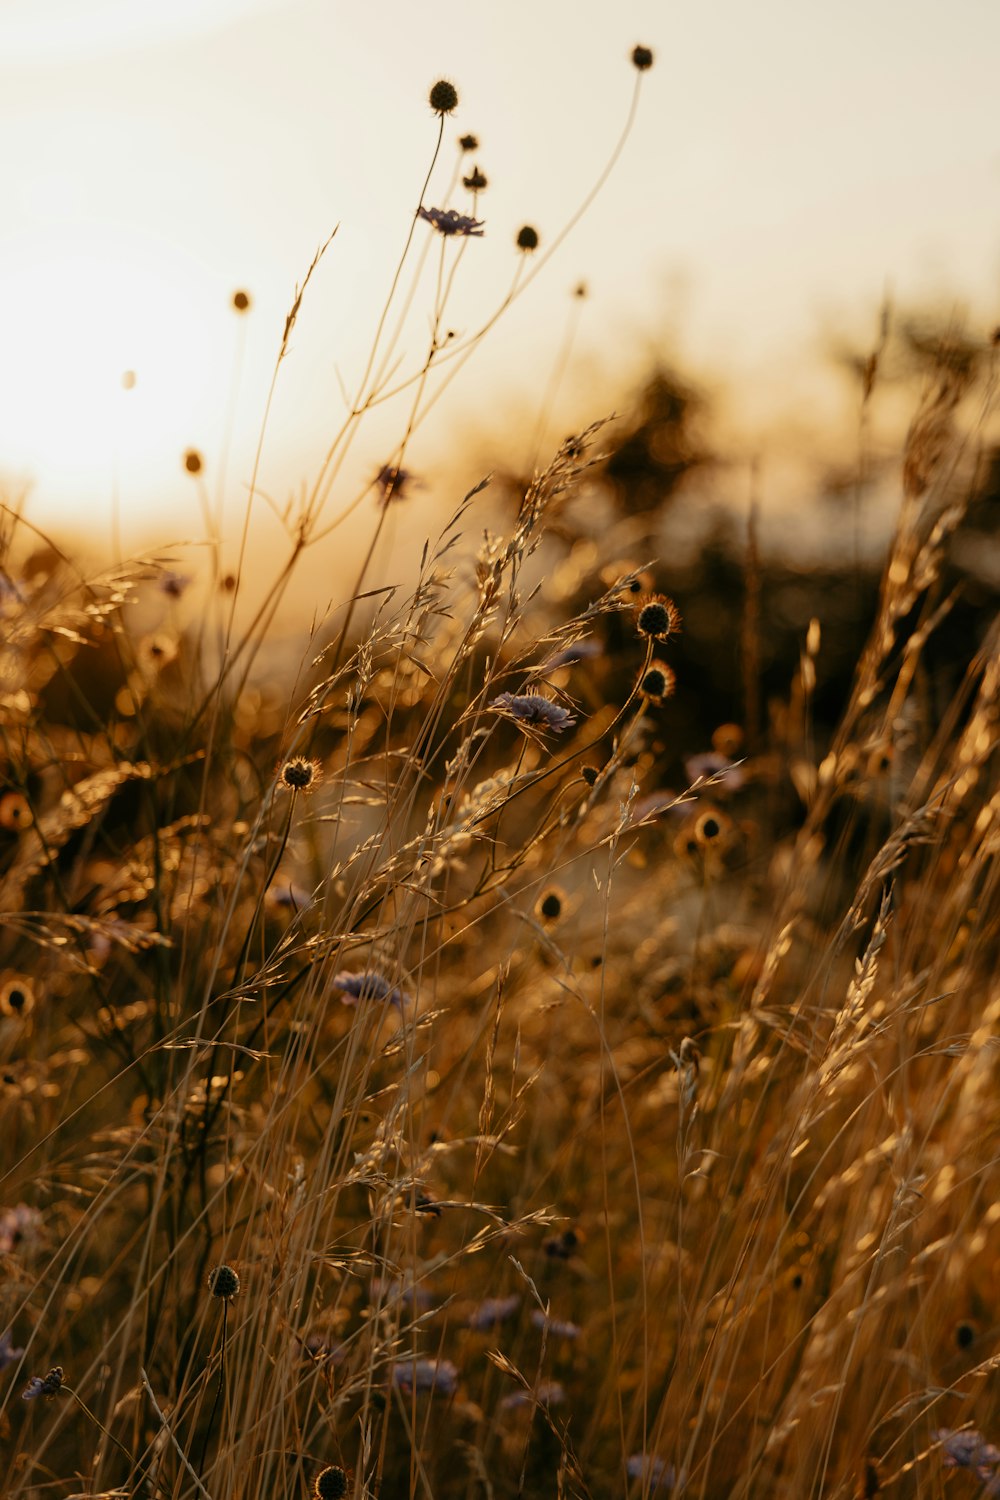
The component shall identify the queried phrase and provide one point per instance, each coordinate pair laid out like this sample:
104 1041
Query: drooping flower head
368 986
534 710
449 221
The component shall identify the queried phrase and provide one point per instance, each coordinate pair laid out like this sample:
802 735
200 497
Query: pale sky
790 159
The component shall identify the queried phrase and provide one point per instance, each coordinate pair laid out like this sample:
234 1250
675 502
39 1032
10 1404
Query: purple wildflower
547 1393
493 1310
439 1377
559 1328
967 1449
655 1472
720 768
534 709
578 651
368 986
173 584
8 1354
17 1224
46 1385
448 221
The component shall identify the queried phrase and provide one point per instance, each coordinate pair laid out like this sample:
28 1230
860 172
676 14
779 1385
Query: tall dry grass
404 1093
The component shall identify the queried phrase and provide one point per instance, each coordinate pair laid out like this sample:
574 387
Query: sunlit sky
788 163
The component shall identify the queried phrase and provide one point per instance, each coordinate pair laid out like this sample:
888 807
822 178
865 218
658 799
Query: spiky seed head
330 1483
469 142
642 58
527 239
193 461
475 182
658 618
299 774
241 301
223 1282
590 775
443 97
658 682
550 905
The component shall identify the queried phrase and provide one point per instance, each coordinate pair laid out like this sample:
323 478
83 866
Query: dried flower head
642 58
223 1282
330 1483
469 142
658 618
475 182
17 996
241 301
658 682
527 239
193 461
393 483
711 826
44 1385
368 986
299 774
15 813
535 710
550 904
590 775
448 221
443 97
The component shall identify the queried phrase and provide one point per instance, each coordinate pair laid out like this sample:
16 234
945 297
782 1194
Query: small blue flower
47 1385
368 986
967 1449
448 221
655 1472
493 1310
439 1377
534 709
8 1354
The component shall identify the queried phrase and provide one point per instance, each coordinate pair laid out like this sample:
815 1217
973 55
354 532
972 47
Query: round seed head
17 997
299 775
550 905
241 301
193 461
965 1334
223 1282
469 142
658 618
527 239
642 58
443 97
727 740
14 812
590 775
658 682
330 1483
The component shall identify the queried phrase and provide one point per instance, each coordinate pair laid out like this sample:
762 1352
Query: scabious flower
437 1377
224 1282
658 617
654 1472
241 301
534 709
642 58
443 97
527 239
547 1393
8 1354
967 1449
709 765
469 142
393 482
659 682
173 584
17 1225
330 1483
449 221
299 774
579 651
493 1310
44 1385
475 182
368 986
559 1328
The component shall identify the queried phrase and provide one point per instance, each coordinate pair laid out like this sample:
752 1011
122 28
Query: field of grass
428 1074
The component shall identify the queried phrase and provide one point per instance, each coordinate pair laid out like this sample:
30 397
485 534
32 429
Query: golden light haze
788 163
